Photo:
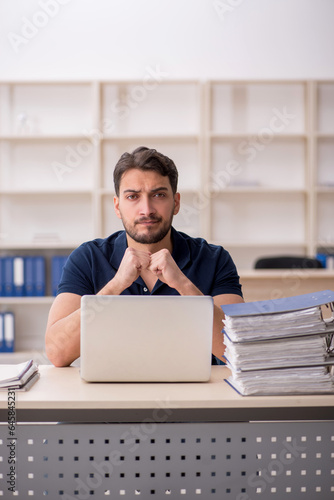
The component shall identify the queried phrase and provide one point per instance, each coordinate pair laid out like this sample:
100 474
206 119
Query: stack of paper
280 346
19 377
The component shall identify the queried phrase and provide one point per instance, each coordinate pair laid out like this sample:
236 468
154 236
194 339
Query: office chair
287 262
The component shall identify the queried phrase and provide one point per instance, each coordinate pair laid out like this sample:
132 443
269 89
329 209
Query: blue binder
1 333
2 284
8 276
29 276
57 264
18 276
323 258
8 332
285 304
39 272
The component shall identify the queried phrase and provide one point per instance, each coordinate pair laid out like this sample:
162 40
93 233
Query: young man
149 257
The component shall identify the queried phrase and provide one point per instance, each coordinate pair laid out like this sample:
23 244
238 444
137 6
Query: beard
153 234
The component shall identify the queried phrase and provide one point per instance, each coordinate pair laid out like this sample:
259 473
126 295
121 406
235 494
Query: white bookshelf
255 161
324 164
257 145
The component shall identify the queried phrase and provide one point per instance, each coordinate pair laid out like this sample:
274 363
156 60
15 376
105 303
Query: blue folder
8 332
29 276
1 333
57 264
39 272
2 287
18 276
281 305
8 276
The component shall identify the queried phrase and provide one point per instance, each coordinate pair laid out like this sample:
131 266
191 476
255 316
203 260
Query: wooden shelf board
325 189
247 135
26 300
160 137
40 245
52 192
325 135
47 137
259 244
258 190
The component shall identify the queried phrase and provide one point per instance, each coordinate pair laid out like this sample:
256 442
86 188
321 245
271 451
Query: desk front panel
239 461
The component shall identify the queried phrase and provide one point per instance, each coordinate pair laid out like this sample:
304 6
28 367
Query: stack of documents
280 346
19 377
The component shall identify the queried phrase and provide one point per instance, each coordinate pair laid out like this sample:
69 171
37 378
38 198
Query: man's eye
131 197
159 195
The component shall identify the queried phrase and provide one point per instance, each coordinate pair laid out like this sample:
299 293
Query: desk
263 284
191 441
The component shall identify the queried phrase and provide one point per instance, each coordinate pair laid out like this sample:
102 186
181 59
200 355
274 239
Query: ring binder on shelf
22 276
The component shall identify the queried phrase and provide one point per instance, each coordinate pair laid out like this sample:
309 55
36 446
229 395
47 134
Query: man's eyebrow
161 188
131 191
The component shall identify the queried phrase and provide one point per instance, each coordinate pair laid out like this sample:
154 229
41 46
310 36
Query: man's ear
116 207
176 203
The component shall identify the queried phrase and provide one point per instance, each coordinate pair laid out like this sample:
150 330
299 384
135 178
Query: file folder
281 346
57 264
2 287
281 305
1 333
8 276
9 332
39 276
18 277
29 276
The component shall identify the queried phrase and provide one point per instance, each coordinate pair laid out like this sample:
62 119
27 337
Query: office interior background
240 93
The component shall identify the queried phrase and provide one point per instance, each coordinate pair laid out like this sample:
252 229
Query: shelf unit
254 158
324 155
257 147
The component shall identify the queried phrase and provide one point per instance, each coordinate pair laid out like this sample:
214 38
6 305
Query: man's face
146 205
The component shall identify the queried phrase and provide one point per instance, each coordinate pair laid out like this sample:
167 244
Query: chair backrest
287 262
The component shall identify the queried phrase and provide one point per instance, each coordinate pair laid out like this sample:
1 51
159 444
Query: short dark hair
146 159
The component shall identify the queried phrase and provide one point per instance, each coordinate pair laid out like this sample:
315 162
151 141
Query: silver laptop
128 338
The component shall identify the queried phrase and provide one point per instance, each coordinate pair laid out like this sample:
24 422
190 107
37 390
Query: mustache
152 218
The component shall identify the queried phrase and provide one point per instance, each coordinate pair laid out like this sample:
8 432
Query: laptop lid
126 338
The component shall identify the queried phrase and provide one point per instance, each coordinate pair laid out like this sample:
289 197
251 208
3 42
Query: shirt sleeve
226 276
76 274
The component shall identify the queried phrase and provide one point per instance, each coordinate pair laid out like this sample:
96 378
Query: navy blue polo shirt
94 263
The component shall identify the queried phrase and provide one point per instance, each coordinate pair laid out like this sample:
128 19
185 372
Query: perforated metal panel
239 461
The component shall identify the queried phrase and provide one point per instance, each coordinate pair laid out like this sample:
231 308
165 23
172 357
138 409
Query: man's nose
147 206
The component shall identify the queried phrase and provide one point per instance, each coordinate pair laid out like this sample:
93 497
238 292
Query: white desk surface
62 388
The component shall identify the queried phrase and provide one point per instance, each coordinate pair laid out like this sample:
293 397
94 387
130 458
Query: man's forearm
62 341
113 287
187 287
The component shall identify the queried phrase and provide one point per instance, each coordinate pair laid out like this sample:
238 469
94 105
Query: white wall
85 39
